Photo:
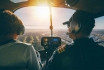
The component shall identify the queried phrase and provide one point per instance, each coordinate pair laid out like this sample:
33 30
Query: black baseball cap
85 18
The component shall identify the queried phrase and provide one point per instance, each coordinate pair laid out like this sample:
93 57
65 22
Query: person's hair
9 23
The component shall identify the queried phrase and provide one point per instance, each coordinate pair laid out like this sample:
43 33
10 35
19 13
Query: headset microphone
67 33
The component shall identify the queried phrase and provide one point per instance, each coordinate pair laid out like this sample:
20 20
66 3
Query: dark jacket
83 54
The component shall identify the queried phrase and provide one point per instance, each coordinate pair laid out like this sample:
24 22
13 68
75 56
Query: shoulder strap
63 48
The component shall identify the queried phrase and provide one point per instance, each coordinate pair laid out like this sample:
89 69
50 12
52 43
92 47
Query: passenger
15 55
83 53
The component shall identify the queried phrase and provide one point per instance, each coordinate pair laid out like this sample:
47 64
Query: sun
42 12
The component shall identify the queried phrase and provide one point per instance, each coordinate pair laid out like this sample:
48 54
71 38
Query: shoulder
64 48
22 44
99 47
59 55
60 51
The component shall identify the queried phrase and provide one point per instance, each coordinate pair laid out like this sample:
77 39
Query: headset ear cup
78 27
75 27
21 29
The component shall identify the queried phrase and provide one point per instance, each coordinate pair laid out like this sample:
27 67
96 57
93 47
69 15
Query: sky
39 17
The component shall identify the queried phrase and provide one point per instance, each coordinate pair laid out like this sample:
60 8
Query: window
98 32
37 22
17 1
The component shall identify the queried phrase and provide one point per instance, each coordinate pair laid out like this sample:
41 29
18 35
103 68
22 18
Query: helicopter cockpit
43 21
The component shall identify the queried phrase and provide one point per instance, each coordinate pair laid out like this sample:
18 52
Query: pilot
15 55
83 53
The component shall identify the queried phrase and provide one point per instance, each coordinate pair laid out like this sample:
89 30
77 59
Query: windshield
37 23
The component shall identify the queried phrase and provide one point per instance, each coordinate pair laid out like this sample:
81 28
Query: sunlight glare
42 12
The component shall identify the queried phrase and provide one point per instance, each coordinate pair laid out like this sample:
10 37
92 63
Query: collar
7 41
83 41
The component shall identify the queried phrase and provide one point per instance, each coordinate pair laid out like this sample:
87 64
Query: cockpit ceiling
93 6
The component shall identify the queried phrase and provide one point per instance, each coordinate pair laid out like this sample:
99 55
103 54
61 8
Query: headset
74 26
21 29
16 25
